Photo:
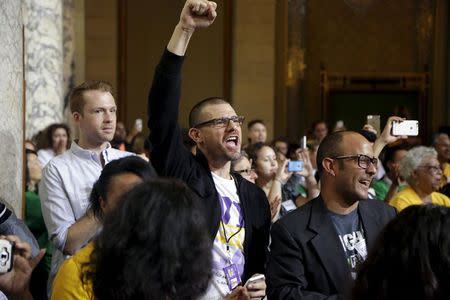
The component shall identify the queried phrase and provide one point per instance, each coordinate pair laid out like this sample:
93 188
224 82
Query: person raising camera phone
15 283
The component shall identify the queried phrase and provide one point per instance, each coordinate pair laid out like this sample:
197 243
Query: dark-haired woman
411 258
35 222
57 140
117 178
156 246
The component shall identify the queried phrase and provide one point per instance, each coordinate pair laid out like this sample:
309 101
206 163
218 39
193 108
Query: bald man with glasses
316 249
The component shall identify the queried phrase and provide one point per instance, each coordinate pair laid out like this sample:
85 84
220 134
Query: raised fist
197 14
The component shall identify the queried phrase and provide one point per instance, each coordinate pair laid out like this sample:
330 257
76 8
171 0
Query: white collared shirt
65 189
45 155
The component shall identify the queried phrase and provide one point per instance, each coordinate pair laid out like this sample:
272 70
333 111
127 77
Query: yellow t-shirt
409 197
67 283
446 172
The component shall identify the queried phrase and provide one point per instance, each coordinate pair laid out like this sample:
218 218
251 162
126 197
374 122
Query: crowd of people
198 213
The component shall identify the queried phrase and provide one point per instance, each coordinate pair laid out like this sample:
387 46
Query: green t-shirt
381 188
35 222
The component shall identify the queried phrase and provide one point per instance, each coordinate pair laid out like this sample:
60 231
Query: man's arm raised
386 136
195 14
168 155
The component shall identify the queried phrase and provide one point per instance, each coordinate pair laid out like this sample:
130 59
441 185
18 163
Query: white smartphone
138 124
255 278
6 255
406 127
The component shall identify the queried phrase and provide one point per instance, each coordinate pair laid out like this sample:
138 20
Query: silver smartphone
6 255
303 144
374 121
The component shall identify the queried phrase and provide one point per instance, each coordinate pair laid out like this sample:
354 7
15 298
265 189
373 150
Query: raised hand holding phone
406 127
386 136
138 125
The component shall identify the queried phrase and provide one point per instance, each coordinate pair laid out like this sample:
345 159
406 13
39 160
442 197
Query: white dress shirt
64 192
45 155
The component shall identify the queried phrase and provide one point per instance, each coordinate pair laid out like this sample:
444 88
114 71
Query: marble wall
44 63
68 48
11 103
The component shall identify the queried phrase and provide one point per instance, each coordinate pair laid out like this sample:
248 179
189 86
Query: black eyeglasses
363 160
222 122
247 172
434 170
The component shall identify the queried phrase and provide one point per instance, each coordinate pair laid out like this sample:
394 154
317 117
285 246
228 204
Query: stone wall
44 63
11 103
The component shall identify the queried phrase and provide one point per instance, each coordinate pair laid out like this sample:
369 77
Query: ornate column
11 104
43 63
68 48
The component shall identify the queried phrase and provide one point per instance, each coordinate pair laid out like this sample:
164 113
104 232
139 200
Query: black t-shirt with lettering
351 235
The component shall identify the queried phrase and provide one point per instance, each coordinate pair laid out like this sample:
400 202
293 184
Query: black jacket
307 260
170 158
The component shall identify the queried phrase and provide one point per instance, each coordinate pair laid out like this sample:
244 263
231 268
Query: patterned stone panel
68 48
11 107
44 63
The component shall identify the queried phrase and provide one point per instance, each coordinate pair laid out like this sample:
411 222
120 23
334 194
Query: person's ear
414 175
195 135
328 166
76 116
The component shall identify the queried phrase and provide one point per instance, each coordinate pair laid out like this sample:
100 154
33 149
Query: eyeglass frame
373 160
225 121
246 171
436 169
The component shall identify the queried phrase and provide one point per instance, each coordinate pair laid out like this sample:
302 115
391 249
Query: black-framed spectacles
363 160
222 122
246 171
434 170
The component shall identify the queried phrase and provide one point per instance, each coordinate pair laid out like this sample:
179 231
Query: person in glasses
236 211
317 248
421 170
243 166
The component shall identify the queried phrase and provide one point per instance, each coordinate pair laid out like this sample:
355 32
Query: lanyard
227 240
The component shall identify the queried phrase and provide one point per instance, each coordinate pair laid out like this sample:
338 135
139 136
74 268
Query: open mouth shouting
232 142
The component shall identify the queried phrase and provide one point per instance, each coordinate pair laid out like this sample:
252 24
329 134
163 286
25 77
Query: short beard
351 197
235 157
